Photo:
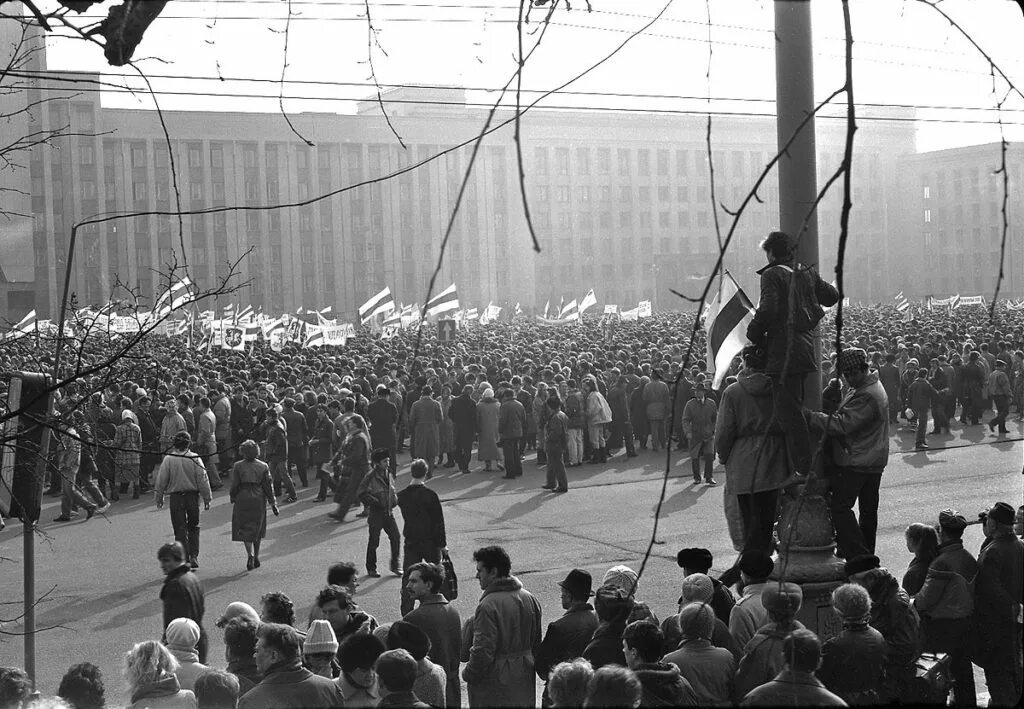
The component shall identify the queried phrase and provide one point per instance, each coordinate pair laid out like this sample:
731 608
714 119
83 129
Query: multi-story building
620 200
952 233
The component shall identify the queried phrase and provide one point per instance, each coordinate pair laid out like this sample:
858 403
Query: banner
611 309
338 334
389 331
558 321
233 338
124 325
644 309
278 338
971 300
633 314
1011 305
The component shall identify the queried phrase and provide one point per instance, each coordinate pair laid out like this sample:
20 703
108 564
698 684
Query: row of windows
644 162
603 193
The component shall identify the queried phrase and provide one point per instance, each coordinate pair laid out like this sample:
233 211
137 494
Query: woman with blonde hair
923 543
149 669
251 489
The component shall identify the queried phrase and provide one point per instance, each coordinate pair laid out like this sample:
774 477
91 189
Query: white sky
905 53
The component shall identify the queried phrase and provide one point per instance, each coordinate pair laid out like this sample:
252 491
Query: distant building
620 201
951 237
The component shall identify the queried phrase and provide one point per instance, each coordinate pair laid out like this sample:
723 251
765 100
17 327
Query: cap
320 638
578 583
1001 512
782 598
697 620
861 563
621 576
851 358
952 520
236 609
694 558
756 564
408 636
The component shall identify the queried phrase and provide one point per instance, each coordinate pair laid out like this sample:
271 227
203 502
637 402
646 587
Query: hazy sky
905 54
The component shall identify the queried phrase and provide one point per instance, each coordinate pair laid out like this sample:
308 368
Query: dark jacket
463 415
792 689
852 664
511 420
382 417
442 624
998 600
566 638
618 401
948 591
893 615
296 424
859 431
605 648
422 515
291 686
914 578
182 596
770 327
921 394
664 686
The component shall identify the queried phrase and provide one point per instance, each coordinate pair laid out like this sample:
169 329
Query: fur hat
756 564
694 558
782 598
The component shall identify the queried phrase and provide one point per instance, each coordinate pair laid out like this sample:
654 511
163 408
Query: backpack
807 310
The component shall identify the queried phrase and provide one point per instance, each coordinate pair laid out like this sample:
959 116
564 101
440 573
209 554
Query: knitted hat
182 634
782 598
861 563
612 603
697 620
694 559
623 577
697 588
852 358
320 638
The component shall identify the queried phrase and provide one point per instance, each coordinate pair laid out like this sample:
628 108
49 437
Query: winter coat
657 399
770 327
382 419
894 616
858 431
948 591
638 411
506 634
446 429
748 615
556 430
852 664
762 657
915 575
291 686
422 516
377 490
618 401
164 693
699 419
463 416
440 621
128 444
511 420
566 638
598 410
487 425
792 689
998 600
222 412
720 636
664 686
711 671
424 422
748 438
575 409
605 648
920 395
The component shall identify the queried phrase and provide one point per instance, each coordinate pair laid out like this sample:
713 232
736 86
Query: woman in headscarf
127 445
487 426
251 489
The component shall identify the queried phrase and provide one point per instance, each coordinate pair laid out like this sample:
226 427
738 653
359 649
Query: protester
183 477
82 687
182 592
149 671
796 685
423 520
762 655
396 670
439 620
568 682
286 684
377 492
749 614
613 686
663 685
216 690
320 649
251 488
357 680
240 651
853 662
567 638
181 638
710 670
699 420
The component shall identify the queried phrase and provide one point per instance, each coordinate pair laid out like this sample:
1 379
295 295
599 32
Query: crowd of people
187 423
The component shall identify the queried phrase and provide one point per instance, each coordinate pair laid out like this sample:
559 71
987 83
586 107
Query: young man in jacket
663 684
858 441
440 621
424 525
505 635
182 593
946 604
556 439
463 415
511 428
286 683
699 418
183 478
377 492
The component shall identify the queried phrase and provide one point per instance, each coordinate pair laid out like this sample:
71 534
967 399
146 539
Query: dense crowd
187 423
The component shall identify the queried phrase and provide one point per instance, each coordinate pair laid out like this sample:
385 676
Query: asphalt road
98 581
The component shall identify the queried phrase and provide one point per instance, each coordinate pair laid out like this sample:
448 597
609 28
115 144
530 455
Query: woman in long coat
447 427
638 412
487 426
127 445
251 489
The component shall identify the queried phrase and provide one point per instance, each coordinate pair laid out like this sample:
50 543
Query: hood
507 584
166 686
755 383
488 400
663 680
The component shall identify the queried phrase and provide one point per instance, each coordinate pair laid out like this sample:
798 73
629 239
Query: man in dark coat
439 620
997 607
424 524
889 376
511 428
613 606
295 424
463 416
182 593
622 425
699 561
663 684
567 637
382 416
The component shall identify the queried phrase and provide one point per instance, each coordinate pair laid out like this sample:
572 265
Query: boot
135 491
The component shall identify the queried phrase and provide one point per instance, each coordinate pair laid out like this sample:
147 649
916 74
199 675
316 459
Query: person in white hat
319 650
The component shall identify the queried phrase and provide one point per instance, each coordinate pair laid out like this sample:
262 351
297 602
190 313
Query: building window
664 195
274 220
625 194
197 223
625 219
927 192
540 158
139 193
275 255
252 221
196 190
88 189
645 194
604 161
645 219
582 161
307 253
195 156
220 222
249 158
563 194
683 194
86 154
218 191
662 163
139 156
927 216
623 161
664 220
216 156
643 162
327 253
562 156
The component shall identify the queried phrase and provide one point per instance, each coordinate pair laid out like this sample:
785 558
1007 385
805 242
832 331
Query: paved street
105 579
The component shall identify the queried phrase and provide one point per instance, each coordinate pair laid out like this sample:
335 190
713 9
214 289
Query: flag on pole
518 310
26 325
471 314
383 302
394 318
726 327
244 315
570 311
446 300
588 301
174 297
901 302
547 307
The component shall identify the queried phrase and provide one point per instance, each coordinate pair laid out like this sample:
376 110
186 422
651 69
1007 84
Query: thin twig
284 68
516 134
371 37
